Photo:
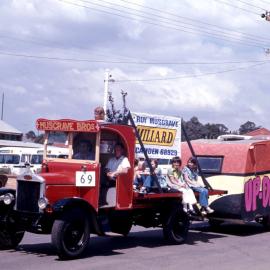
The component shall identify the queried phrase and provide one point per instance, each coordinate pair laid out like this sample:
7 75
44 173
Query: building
259 131
10 136
7 132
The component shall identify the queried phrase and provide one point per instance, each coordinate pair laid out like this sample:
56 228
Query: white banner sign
161 135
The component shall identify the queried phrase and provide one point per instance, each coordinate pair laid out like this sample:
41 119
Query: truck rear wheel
214 223
70 234
121 224
266 222
176 228
10 238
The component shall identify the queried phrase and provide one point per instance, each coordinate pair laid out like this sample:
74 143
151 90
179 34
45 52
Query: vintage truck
240 165
63 200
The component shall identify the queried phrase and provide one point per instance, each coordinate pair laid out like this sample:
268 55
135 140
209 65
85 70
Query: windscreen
84 146
36 159
210 164
57 138
9 159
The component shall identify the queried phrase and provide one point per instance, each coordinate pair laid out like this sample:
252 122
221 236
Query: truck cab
82 177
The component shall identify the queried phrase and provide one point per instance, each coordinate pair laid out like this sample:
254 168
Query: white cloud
188 93
46 88
19 90
256 109
42 102
23 109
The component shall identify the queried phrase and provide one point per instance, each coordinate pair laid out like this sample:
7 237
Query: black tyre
121 225
176 227
266 222
214 223
10 238
3 180
70 234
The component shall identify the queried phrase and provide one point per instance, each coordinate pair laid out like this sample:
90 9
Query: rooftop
6 128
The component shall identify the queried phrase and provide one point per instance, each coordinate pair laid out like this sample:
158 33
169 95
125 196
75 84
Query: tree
30 135
215 130
247 127
39 138
195 129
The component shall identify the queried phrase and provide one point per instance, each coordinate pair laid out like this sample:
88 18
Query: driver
84 151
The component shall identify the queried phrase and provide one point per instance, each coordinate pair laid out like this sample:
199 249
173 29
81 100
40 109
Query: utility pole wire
266 2
2 111
191 76
180 28
228 33
252 5
229 4
127 62
208 32
194 20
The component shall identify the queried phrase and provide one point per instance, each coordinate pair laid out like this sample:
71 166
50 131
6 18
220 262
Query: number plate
85 179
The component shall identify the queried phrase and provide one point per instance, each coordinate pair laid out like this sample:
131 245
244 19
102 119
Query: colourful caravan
240 165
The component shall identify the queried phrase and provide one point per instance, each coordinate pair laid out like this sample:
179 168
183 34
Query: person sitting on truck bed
139 174
149 183
119 164
176 181
190 174
84 151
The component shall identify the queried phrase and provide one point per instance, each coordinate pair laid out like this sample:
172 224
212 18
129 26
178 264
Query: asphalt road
229 247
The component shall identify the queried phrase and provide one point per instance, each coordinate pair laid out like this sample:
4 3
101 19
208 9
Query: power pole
108 78
2 111
266 15
106 89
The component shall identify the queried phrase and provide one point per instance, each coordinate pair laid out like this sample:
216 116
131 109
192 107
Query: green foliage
30 135
196 130
40 138
215 130
247 127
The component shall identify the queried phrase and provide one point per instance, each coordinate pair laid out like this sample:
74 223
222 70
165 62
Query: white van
52 152
14 160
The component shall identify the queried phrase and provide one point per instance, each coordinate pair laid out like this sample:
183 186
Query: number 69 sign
85 179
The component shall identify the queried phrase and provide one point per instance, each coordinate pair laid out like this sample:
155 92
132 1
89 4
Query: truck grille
28 193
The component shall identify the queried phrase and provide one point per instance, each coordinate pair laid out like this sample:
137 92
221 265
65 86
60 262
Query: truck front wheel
70 234
176 227
10 238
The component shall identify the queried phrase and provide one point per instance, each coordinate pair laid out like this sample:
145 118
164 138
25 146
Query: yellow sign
157 136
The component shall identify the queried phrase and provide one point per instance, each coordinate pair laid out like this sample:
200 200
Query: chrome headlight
8 198
42 203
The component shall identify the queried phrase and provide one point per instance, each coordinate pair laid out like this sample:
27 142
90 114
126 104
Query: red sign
67 125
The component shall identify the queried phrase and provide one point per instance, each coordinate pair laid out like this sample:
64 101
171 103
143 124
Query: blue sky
181 58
